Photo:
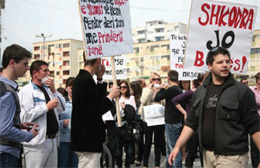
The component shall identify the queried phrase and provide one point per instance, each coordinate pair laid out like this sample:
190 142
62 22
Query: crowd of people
213 114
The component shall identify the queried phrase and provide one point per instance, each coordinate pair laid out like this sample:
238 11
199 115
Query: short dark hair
15 52
243 78
90 62
257 76
36 66
215 51
173 75
70 81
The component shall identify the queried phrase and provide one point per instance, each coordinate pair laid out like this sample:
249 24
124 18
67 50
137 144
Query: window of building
58 73
255 51
36 48
66 63
167 46
176 28
153 47
66 54
66 45
160 30
159 38
66 72
36 56
57 45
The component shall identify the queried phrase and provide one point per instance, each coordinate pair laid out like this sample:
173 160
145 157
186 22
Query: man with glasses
173 117
224 111
244 81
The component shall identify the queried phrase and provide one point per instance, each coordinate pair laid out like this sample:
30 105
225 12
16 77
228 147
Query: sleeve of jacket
62 102
162 94
145 95
249 112
193 120
30 112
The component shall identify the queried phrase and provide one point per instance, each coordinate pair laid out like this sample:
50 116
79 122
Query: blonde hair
153 75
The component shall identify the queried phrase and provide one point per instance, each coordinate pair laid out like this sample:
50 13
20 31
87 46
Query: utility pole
42 36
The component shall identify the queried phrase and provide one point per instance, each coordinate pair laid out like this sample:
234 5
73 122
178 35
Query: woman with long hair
156 131
127 106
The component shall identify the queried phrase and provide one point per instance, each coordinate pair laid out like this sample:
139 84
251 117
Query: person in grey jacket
224 111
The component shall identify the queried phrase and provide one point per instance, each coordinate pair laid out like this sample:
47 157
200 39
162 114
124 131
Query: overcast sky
22 20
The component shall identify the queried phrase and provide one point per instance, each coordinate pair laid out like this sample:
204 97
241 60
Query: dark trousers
67 157
192 147
158 132
128 145
141 145
8 160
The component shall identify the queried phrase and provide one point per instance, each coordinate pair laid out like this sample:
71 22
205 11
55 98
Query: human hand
34 130
52 104
173 155
123 105
50 83
101 72
28 125
66 122
114 92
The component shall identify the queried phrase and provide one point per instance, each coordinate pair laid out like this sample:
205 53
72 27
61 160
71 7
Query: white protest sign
154 114
120 67
219 24
106 27
177 50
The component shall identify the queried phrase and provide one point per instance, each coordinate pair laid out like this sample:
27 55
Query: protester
173 117
62 91
15 64
142 82
127 106
136 89
224 111
41 103
184 85
157 131
255 155
185 100
66 157
89 104
244 81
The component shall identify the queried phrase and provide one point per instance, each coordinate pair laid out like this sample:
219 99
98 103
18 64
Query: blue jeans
173 132
8 160
66 157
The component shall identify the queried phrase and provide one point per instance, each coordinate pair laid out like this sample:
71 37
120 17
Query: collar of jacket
228 81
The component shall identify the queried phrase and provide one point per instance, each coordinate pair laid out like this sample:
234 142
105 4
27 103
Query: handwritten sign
106 27
219 24
177 48
120 67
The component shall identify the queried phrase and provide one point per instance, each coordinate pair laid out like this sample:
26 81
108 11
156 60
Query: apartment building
63 57
157 30
254 63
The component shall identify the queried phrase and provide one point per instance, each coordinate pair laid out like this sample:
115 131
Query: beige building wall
254 63
62 57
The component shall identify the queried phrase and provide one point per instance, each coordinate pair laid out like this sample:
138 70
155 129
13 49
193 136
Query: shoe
137 163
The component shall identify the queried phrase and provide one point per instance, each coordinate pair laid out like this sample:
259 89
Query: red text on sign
235 17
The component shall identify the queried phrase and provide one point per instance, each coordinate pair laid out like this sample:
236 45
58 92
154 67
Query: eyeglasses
245 83
122 87
156 79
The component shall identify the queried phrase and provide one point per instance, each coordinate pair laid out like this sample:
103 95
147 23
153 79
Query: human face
220 68
44 71
156 80
69 90
123 88
245 82
21 67
185 85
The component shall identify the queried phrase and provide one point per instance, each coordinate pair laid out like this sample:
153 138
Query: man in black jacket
89 104
224 111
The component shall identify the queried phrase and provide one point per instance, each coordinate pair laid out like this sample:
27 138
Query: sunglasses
245 83
122 87
156 79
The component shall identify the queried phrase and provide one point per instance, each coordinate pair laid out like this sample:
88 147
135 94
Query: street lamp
42 36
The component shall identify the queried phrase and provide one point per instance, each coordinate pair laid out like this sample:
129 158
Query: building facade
63 57
254 61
